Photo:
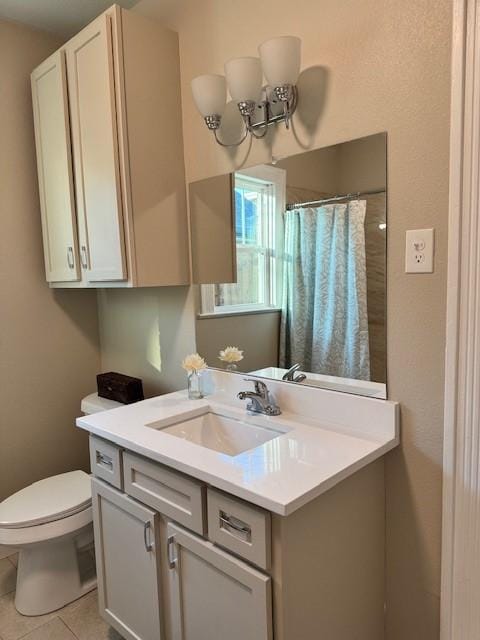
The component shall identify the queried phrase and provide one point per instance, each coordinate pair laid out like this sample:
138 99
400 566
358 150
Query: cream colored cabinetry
207 590
127 543
91 86
243 572
214 595
122 122
55 173
170 493
157 579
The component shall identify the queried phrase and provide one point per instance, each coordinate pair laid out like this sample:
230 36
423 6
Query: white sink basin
221 433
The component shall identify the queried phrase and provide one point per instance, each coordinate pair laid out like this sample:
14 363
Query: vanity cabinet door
55 172
214 595
128 559
91 85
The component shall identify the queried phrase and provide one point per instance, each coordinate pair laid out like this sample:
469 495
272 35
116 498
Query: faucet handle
260 387
289 375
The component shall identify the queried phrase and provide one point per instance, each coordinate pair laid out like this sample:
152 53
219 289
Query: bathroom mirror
291 262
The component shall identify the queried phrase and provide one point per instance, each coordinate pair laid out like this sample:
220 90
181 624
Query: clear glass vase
231 366
195 390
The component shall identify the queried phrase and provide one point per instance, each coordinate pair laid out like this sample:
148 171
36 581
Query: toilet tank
93 403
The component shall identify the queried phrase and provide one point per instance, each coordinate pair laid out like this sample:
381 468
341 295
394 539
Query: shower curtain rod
347 196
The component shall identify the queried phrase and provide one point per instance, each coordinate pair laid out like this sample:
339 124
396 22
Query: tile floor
79 620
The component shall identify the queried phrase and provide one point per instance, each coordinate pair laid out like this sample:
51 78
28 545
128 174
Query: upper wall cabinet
121 127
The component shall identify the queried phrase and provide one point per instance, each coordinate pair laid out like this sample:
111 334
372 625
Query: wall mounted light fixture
260 105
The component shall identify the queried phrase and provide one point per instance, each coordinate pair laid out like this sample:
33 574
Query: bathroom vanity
212 523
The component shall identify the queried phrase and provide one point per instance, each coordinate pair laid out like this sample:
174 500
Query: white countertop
280 475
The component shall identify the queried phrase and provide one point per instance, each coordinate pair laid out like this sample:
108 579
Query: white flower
231 354
194 362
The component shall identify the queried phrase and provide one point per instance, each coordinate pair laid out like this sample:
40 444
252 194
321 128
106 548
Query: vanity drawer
240 527
173 494
106 461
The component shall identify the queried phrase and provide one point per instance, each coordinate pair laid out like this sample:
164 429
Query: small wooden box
116 386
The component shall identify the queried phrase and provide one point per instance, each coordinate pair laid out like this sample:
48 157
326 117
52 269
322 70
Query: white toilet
50 523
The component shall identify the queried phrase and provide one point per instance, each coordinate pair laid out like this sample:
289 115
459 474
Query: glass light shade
281 60
244 79
210 94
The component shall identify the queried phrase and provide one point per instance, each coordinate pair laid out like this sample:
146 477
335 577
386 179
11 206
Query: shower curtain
324 322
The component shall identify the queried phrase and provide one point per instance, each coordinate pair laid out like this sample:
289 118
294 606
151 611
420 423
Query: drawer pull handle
229 522
70 258
148 544
84 258
104 460
172 559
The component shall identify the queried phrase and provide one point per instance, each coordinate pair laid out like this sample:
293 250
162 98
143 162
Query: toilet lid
47 500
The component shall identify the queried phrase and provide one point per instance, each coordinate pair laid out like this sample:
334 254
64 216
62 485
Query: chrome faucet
290 374
260 399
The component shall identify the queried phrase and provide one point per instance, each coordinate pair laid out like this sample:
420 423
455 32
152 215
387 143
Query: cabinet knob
70 258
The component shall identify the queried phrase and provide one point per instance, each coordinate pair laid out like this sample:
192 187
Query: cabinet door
55 174
214 595
128 558
91 88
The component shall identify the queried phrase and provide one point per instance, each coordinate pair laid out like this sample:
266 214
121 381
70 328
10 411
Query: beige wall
375 65
147 333
362 165
315 171
256 334
356 165
49 351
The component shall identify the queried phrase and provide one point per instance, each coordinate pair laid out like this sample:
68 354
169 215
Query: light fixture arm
232 144
258 136
213 123
247 109
264 105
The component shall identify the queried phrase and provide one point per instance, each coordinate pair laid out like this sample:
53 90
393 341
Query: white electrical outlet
419 251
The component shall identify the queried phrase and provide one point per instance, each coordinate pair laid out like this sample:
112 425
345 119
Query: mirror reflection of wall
293 272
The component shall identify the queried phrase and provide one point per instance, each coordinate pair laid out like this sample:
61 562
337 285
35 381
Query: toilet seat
48 532
47 501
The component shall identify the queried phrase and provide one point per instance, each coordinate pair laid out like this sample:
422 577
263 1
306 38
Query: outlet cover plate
419 249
